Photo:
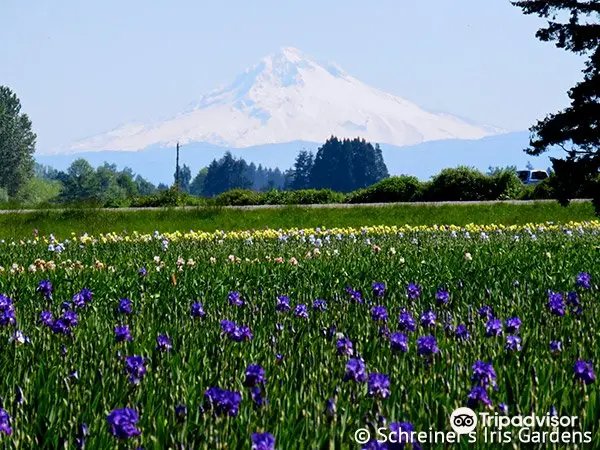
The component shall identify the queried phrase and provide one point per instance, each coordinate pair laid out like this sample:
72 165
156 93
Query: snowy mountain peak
290 96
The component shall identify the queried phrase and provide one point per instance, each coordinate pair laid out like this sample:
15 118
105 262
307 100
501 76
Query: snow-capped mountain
286 97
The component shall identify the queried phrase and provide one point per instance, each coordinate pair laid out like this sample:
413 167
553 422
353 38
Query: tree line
340 165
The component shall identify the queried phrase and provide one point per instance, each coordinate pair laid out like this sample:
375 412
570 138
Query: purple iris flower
241 333
197 310
462 333
263 441
427 345
556 303
354 295
86 294
513 324
403 434
46 318
122 333
255 375
355 370
493 328
428 319
7 311
135 367
486 312
379 289
483 374
180 412
442 296
584 280
283 303
319 305
330 407
573 299
513 343
122 423
78 301
584 371
235 298
257 397
378 385
163 343
223 402
379 314
477 396
399 342
406 321
413 291
5 426
301 311
344 347
45 288
124 306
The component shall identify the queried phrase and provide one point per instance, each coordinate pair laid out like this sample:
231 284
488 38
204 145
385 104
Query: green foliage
301 197
394 189
164 198
505 184
238 197
346 165
3 195
37 191
459 184
539 191
17 143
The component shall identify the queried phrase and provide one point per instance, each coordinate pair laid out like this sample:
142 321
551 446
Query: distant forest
341 165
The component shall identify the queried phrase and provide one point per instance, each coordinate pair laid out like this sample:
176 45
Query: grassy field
211 338
62 223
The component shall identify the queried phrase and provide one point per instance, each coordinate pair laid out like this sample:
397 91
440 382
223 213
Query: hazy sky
82 68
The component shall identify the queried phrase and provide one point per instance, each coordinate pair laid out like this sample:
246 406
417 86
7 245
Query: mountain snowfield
288 97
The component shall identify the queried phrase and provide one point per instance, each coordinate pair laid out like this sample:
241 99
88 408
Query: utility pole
177 168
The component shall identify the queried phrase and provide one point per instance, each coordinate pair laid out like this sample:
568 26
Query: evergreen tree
226 174
347 165
185 178
577 128
302 170
197 185
17 143
144 187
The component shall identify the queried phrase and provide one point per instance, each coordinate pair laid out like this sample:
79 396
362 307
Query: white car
532 176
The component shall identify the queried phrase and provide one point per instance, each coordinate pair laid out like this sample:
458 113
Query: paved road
333 205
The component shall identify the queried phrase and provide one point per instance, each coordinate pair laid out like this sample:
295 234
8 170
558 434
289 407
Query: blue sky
82 68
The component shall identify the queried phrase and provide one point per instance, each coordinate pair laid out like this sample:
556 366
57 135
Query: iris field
294 339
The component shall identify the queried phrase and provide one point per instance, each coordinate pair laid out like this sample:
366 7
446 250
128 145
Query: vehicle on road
532 176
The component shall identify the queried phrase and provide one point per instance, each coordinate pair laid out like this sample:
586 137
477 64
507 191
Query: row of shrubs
457 184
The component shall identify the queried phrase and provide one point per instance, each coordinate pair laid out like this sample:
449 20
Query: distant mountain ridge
422 160
289 96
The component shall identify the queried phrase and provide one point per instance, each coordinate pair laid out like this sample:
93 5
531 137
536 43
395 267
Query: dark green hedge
456 184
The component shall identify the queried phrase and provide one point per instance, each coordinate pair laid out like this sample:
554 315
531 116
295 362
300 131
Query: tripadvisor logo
528 429
463 420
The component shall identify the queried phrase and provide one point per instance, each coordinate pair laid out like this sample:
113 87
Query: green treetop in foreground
573 26
17 143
